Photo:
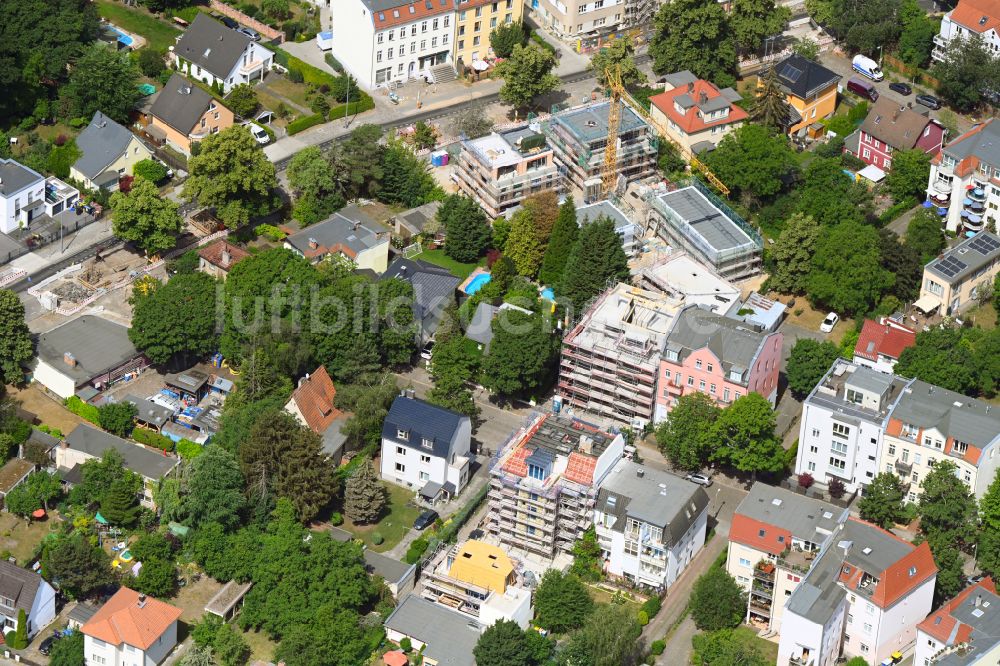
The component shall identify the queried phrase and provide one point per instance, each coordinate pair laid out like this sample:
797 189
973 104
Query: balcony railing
903 467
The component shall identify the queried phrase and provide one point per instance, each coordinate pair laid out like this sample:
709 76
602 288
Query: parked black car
901 88
228 22
425 520
930 101
46 645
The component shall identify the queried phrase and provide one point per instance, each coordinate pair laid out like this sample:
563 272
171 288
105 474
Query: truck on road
867 67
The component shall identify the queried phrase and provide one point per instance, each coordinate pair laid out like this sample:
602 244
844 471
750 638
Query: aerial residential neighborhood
499 333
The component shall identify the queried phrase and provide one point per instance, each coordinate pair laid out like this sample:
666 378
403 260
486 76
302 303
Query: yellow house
108 152
484 565
475 20
811 90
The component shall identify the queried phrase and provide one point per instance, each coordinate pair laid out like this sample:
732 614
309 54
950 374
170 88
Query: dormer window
671 355
959 447
735 376
6 602
403 434
427 443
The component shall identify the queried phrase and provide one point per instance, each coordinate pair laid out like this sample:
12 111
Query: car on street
251 33
259 133
229 23
425 520
699 478
930 101
427 351
900 87
828 323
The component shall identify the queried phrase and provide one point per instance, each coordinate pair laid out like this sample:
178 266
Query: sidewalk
95 232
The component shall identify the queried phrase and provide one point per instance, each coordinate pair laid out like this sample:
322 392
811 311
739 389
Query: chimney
225 256
69 359
410 393
979 600
703 97
142 600
691 87
640 472
313 243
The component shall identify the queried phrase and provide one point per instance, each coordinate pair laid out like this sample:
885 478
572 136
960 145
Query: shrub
117 417
652 606
151 170
305 123
271 232
334 63
61 140
416 550
837 488
83 410
643 618
405 645
657 647
538 39
377 538
295 76
806 480
336 519
154 439
49 430
304 72
189 450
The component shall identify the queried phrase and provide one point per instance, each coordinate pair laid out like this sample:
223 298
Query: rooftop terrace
509 147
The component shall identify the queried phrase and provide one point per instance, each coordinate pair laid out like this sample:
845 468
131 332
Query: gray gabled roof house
211 52
433 290
109 151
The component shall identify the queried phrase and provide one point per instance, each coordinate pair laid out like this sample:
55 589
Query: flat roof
592 212
226 598
708 221
502 149
590 123
831 392
96 345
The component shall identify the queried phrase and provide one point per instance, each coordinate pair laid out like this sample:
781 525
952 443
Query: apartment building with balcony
650 524
209 51
479 580
969 17
843 422
385 42
774 539
863 597
502 169
695 220
954 281
929 424
27 196
580 135
965 631
544 483
965 179
723 358
610 360
475 20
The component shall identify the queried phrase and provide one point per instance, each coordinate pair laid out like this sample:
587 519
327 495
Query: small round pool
476 283
125 555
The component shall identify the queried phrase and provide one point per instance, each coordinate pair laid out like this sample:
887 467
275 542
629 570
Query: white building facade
26 195
382 42
969 17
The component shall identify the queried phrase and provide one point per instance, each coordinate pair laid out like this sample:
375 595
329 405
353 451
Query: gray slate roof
212 46
955 415
181 104
97 344
422 420
985 623
416 218
803 77
450 637
734 343
386 5
806 518
984 144
138 458
480 328
339 229
392 570
966 258
15 177
657 498
433 289
681 78
18 584
148 411
594 211
101 143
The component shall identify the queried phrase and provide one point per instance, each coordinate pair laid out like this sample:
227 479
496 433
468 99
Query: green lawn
393 525
457 268
158 33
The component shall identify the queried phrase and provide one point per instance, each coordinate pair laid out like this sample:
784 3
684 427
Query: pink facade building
891 127
718 356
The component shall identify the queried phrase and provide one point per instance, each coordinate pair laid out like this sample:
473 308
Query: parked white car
828 323
258 133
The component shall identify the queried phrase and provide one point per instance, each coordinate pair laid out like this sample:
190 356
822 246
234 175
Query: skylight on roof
866 550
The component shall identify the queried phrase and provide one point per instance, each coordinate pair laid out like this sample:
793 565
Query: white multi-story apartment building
26 195
426 447
964 631
863 597
650 524
386 41
130 629
843 421
965 179
969 17
773 542
930 424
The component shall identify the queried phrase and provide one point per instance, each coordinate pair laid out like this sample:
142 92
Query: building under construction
579 136
610 359
544 482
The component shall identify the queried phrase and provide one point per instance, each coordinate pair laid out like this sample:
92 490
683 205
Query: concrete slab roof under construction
590 123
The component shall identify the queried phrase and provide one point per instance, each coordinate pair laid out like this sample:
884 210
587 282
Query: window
811 466
461 30
447 21
838 448
403 434
837 463
868 628
423 44
866 153
631 548
710 367
434 42
916 458
854 397
400 467
434 24
413 30
892 449
701 385
475 40
815 432
666 373
97 659
425 458
536 472
389 54
744 562
400 450
495 7
582 9
444 39
476 26
725 395
423 26
711 389
392 36
479 12
841 431
413 46
697 364
916 478
906 455
461 44
813 449
959 448
424 476
690 380
380 36
864 648
508 19
493 22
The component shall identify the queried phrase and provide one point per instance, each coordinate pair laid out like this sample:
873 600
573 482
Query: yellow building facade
475 20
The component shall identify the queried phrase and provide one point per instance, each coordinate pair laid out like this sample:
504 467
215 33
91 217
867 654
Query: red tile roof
941 624
516 463
969 13
747 531
407 12
887 339
897 581
580 468
213 254
314 397
690 122
122 620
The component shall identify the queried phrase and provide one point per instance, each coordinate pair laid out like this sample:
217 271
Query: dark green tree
792 253
687 435
157 578
522 354
68 651
596 262
587 559
523 246
728 647
924 233
406 179
117 417
752 21
176 322
946 507
357 162
808 362
902 261
882 502
846 274
215 489
105 80
956 359
753 160
230 647
745 435
314 184
618 57
917 37
505 37
694 35
16 348
864 25
503 644
120 504
34 493
988 545
717 601
466 228
526 74
145 218
150 62
950 577
561 602
150 169
609 637
453 365
152 545
80 568
770 108
365 497
368 401
829 196
907 179
242 100
561 243
968 69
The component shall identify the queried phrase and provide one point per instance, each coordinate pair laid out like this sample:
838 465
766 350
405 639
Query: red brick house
891 127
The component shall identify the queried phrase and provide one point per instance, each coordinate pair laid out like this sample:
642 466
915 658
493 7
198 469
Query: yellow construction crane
609 174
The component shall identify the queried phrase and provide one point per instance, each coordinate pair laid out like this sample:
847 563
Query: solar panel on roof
950 266
790 72
984 244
